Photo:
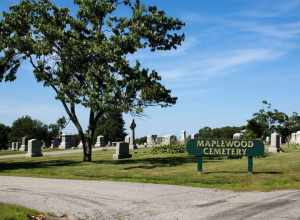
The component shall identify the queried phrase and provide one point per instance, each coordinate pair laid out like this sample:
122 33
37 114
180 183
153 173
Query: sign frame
225 147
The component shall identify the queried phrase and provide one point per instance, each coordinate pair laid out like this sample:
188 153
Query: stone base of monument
122 151
121 156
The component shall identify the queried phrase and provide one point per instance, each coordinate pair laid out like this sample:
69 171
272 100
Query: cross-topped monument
132 139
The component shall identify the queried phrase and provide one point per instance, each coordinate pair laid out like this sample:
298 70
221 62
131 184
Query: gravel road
118 200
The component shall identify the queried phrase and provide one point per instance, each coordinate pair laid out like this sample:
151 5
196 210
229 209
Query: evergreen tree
111 127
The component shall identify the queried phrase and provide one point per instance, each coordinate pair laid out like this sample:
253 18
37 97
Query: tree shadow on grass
36 164
151 163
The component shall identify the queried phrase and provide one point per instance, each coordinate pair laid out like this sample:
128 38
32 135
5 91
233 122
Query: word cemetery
249 148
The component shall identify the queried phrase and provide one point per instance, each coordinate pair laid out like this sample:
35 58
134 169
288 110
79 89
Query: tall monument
132 144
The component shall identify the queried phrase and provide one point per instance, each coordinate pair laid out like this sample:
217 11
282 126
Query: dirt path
116 200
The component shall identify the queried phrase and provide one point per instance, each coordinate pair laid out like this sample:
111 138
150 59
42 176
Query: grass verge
274 172
15 212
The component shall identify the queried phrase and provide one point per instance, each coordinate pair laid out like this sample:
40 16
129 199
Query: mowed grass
14 212
9 152
274 172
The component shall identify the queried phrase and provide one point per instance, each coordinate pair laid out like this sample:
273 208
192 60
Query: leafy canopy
85 58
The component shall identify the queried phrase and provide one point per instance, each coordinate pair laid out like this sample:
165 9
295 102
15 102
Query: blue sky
236 54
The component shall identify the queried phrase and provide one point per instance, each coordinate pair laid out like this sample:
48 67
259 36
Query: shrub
168 149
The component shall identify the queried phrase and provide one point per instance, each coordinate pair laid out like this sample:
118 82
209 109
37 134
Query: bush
168 149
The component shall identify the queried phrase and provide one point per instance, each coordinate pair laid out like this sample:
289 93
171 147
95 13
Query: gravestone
55 143
297 137
67 142
275 143
80 145
151 140
24 145
34 148
127 139
132 144
13 146
237 136
122 151
159 140
100 141
169 140
19 145
183 137
293 138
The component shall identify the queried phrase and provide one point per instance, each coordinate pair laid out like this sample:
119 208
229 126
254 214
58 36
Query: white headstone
297 137
183 136
34 148
13 146
275 143
127 139
24 144
237 136
80 145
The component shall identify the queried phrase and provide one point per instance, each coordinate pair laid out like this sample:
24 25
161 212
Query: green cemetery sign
217 147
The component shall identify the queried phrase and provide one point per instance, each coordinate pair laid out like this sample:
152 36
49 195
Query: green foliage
111 127
26 126
56 128
31 128
4 132
223 132
294 122
168 149
85 58
267 120
15 212
141 140
275 172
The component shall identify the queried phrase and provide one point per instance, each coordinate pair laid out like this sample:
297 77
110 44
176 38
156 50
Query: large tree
111 127
31 128
4 132
85 58
223 132
268 120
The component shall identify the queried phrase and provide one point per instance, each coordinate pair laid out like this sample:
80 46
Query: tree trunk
87 148
87 154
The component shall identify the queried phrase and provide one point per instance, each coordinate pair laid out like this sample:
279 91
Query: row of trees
264 122
26 126
111 127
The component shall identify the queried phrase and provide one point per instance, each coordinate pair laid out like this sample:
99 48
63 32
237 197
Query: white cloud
205 67
280 31
263 8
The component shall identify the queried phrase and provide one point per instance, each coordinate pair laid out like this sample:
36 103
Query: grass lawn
9 152
278 171
14 212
